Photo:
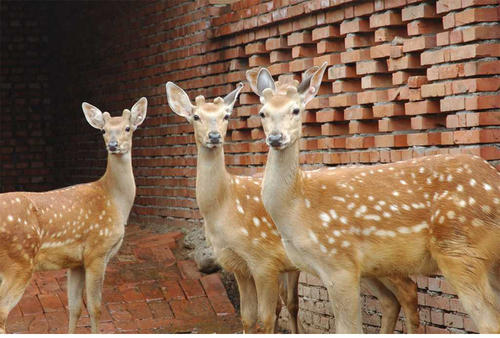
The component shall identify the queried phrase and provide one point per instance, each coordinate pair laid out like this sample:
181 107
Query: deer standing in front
242 234
244 240
77 228
412 217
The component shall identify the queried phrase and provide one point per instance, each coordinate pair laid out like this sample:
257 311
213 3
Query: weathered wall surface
405 79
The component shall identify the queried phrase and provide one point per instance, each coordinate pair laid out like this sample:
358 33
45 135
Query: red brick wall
26 152
406 79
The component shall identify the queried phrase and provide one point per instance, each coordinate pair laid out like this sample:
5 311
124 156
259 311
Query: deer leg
469 277
343 290
389 303
94 278
13 284
76 279
267 295
405 291
248 301
292 299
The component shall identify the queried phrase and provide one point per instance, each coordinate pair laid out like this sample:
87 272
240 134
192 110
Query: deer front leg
248 301
94 278
292 299
389 303
76 280
343 291
267 295
13 284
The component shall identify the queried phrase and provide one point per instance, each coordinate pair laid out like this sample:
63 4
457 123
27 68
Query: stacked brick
406 78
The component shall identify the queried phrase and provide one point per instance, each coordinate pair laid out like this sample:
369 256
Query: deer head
209 119
117 131
283 103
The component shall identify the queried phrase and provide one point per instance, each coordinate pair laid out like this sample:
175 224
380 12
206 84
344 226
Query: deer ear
93 115
311 81
138 112
230 99
178 100
251 76
264 81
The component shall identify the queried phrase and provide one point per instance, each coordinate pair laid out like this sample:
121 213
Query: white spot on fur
404 230
307 202
313 236
372 217
472 182
351 206
471 201
486 208
331 240
322 248
333 213
343 220
240 209
256 221
336 233
486 186
338 198
395 193
324 217
345 244
450 214
384 233
263 234
460 188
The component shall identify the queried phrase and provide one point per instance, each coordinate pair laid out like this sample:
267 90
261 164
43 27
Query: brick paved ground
147 290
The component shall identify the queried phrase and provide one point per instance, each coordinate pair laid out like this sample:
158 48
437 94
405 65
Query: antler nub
200 99
219 100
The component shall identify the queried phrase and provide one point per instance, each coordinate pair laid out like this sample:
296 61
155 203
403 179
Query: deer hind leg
405 291
344 293
94 279
248 301
76 280
267 294
13 284
292 299
389 303
469 278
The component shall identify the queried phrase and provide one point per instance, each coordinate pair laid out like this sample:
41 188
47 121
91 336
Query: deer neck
281 182
118 181
212 179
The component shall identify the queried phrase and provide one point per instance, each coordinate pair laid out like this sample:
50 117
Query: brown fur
77 228
410 217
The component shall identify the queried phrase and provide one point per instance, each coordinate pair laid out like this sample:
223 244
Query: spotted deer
244 239
77 228
429 214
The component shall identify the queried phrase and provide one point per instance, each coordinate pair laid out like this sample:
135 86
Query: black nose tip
275 139
113 145
214 136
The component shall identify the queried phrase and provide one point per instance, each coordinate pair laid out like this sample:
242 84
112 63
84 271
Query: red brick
51 303
388 109
388 125
355 55
423 10
330 31
426 26
388 18
370 67
30 305
422 107
329 115
423 139
341 72
409 61
358 40
194 308
419 43
192 288
327 46
354 26
299 38
276 43
376 81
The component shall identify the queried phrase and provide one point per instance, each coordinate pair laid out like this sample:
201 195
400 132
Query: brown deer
411 217
79 227
242 234
237 226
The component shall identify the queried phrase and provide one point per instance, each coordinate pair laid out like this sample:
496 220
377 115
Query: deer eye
226 117
196 117
262 114
296 111
127 129
103 131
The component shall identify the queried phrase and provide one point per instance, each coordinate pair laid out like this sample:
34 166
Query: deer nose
112 145
275 139
214 137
